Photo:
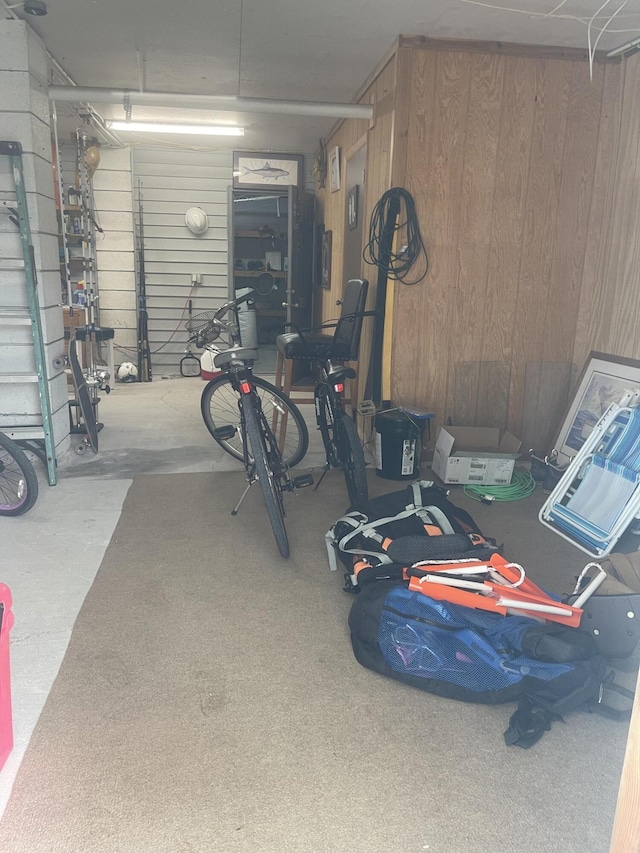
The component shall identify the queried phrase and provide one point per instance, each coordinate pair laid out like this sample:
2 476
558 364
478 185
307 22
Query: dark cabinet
270 251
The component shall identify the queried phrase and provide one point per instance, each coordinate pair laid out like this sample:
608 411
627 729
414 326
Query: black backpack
477 656
380 538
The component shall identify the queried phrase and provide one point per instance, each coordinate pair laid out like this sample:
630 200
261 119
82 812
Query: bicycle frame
259 450
339 434
241 378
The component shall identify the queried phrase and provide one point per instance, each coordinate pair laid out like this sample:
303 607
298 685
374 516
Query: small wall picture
334 169
273 260
326 259
253 170
352 208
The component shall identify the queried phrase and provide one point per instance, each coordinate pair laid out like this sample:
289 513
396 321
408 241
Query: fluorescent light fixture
152 127
630 47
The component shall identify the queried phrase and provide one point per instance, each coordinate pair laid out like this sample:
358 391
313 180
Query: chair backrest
346 339
622 446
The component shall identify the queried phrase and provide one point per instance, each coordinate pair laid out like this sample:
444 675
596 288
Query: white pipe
629 46
211 102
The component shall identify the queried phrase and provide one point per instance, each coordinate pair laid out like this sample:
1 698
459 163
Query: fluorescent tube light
152 127
630 47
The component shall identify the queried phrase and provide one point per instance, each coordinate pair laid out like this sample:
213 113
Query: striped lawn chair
598 496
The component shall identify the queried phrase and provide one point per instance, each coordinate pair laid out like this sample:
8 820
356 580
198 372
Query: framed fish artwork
255 170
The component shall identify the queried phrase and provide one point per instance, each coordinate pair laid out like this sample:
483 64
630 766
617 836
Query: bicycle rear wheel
351 455
269 482
220 406
18 480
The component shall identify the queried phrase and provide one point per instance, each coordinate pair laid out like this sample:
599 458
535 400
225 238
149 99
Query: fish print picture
267 171
258 170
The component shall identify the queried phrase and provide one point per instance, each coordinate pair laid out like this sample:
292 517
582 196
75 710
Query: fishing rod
144 349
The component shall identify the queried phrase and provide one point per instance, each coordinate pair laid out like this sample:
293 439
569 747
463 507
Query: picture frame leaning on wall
603 381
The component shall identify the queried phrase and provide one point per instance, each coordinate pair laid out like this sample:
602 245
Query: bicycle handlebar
210 327
232 304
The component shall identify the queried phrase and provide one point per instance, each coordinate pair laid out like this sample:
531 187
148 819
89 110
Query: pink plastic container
6 722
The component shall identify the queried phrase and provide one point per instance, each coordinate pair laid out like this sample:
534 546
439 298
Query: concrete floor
51 555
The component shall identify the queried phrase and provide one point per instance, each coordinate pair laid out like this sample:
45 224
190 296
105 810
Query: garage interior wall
173 181
24 117
525 173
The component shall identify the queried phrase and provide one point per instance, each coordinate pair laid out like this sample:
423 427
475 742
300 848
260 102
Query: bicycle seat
235 355
339 374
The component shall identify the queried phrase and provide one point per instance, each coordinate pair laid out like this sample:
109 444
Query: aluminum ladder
18 317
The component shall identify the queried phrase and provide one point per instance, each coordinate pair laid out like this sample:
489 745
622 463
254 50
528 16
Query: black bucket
398 445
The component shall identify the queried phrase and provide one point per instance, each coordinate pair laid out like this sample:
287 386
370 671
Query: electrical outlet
196 278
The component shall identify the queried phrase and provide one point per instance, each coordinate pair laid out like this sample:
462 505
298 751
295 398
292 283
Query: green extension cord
521 486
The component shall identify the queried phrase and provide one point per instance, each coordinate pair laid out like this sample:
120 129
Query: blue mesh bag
477 656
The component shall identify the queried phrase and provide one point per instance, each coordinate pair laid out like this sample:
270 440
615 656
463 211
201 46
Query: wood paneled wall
607 319
348 136
526 178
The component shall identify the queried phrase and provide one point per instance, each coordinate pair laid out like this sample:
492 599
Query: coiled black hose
399 263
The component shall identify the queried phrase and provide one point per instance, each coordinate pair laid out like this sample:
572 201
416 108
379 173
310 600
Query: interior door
259 252
299 281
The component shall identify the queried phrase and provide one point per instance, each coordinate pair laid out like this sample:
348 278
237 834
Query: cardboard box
475 455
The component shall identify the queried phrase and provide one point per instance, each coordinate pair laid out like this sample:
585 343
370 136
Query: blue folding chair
598 496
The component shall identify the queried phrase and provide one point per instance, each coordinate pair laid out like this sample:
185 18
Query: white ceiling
288 49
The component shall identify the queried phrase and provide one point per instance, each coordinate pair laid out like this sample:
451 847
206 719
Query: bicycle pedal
302 480
366 408
224 433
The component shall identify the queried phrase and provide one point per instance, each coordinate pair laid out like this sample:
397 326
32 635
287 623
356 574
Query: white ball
127 372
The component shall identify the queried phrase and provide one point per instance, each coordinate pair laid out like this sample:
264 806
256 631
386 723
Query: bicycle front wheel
326 424
18 480
220 406
270 485
352 457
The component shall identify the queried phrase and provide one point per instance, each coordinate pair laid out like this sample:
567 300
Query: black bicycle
219 402
18 479
342 444
250 418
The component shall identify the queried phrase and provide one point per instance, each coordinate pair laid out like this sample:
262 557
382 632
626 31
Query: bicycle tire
271 491
220 406
351 455
18 479
326 425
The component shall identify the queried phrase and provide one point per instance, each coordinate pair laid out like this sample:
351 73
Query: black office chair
315 346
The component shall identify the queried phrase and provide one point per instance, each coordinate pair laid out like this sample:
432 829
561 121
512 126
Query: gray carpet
209 701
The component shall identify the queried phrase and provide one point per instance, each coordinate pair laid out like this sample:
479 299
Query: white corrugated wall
172 181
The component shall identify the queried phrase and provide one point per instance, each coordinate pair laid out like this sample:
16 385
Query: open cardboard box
480 455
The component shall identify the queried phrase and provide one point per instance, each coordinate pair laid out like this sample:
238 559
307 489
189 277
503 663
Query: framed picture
326 259
334 169
255 171
318 233
352 208
604 380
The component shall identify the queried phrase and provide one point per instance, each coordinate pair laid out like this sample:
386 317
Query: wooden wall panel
508 214
472 243
503 171
595 309
623 274
541 227
526 178
378 135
